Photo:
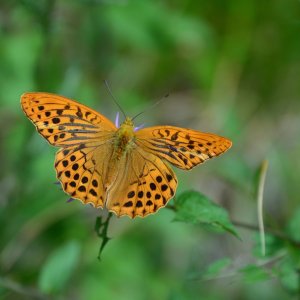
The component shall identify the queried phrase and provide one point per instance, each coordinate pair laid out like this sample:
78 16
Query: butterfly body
122 145
123 169
124 138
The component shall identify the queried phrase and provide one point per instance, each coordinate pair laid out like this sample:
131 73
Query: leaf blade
195 208
58 268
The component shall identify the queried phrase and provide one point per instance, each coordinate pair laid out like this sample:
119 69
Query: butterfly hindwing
81 172
184 148
143 185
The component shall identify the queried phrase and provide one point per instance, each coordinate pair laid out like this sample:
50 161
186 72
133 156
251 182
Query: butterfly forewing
184 148
65 122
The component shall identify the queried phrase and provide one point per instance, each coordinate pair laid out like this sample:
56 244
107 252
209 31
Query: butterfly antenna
111 94
152 106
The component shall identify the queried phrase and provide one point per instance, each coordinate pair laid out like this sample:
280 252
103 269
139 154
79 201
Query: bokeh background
229 67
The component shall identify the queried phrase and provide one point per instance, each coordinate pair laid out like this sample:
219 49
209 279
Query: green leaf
217 266
212 270
101 228
195 208
289 275
294 225
273 245
253 273
59 267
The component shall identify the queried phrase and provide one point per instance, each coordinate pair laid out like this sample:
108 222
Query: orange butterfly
118 168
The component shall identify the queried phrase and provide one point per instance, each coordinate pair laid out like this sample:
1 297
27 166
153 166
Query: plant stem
274 232
101 230
278 234
21 290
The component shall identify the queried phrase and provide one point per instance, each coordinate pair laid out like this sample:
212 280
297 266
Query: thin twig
260 192
279 234
237 272
21 290
276 233
30 230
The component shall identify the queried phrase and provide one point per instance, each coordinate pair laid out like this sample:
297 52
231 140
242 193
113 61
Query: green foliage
101 228
273 245
293 226
217 267
59 267
289 275
195 208
253 273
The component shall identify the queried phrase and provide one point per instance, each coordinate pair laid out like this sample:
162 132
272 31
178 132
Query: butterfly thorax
124 138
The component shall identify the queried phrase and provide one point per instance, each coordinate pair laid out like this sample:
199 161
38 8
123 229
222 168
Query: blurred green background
230 67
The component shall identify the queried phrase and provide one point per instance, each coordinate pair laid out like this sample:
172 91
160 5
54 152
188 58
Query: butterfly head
126 129
128 122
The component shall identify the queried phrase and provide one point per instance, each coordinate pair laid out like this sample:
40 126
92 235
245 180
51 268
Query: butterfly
120 168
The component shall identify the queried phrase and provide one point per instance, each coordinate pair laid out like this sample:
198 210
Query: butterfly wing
184 148
143 185
84 136
143 182
64 122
